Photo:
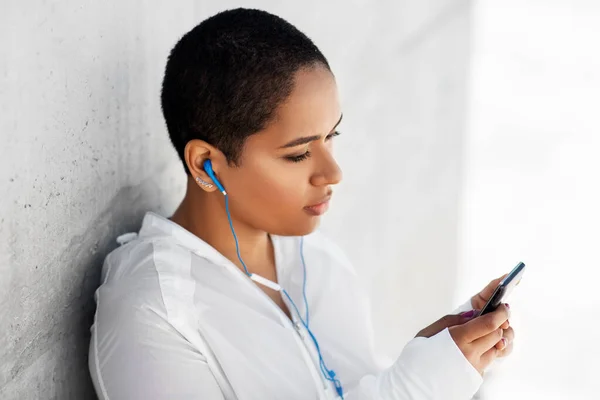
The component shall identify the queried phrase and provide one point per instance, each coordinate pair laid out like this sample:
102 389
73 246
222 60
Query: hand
481 339
509 335
481 298
478 302
445 322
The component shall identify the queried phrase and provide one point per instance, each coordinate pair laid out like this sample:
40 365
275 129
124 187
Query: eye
298 158
305 155
333 134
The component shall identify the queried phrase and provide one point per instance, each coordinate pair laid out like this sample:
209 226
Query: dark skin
282 170
268 191
481 339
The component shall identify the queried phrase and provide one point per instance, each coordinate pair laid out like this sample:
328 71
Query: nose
329 173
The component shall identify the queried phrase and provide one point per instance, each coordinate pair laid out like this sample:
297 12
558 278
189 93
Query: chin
302 228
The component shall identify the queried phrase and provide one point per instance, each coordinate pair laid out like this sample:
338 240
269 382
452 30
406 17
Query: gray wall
84 153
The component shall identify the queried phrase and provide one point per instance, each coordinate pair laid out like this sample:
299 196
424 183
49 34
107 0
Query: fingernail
507 305
468 314
504 342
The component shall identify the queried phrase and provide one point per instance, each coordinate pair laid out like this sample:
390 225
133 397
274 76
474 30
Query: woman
235 296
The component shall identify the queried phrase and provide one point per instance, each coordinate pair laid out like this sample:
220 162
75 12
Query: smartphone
504 288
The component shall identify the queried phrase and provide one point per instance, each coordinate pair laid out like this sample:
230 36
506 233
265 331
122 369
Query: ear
196 152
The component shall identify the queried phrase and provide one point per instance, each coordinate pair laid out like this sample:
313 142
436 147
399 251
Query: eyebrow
307 139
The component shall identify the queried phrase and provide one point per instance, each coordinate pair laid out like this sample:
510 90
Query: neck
204 215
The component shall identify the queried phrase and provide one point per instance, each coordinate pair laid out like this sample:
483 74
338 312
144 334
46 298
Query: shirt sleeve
427 369
135 354
431 368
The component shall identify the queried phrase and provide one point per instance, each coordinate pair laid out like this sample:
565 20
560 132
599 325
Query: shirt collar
154 225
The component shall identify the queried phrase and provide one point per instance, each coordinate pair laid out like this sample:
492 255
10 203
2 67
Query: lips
319 208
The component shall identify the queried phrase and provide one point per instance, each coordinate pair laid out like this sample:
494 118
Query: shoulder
147 277
142 259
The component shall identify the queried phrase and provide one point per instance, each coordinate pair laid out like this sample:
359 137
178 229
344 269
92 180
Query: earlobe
203 183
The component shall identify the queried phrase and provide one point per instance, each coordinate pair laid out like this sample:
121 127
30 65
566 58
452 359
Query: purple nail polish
468 314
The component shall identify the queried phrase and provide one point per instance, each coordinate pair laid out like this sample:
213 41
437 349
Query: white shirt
176 320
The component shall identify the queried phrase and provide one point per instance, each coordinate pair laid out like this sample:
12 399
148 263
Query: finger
506 347
505 325
485 343
445 322
482 297
506 351
468 315
509 335
502 344
496 281
485 324
488 357
489 289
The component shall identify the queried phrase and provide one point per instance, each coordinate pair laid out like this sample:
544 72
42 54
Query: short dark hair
225 78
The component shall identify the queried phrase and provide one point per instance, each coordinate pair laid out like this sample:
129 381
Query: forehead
313 108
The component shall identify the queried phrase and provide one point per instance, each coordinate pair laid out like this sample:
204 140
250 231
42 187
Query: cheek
280 189
274 199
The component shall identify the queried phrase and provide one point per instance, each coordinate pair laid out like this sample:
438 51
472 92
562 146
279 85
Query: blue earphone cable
237 245
329 374
304 282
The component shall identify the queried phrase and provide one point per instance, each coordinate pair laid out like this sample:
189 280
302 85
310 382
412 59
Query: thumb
446 322
487 292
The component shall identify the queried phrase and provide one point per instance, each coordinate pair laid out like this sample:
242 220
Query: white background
532 188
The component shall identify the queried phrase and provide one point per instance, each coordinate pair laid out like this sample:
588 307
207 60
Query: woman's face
286 172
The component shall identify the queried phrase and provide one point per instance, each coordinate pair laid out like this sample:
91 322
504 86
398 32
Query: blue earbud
209 171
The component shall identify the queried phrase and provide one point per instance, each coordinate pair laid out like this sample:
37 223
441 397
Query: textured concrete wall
84 154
